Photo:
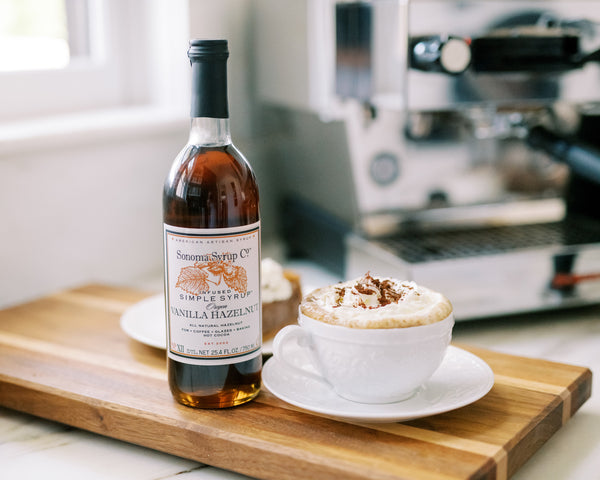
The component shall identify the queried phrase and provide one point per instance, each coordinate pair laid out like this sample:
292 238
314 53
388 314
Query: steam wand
582 159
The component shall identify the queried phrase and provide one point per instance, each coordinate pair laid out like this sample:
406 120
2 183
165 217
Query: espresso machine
453 143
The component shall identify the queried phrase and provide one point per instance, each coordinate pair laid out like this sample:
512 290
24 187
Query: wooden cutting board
65 358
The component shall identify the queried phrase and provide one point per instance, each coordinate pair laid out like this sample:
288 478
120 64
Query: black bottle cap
209 78
208 49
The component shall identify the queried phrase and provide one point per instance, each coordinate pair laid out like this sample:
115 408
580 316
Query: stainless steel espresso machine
454 143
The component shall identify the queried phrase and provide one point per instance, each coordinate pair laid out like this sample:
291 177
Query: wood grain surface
65 358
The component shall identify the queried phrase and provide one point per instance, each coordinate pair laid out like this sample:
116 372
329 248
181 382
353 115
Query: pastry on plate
281 295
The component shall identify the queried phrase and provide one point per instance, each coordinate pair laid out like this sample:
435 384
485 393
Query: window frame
112 76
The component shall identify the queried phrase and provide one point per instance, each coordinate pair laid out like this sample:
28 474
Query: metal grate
416 247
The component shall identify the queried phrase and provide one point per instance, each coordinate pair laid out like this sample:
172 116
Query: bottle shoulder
210 187
207 166
220 158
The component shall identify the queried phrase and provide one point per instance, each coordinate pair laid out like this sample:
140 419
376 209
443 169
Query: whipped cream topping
374 302
274 286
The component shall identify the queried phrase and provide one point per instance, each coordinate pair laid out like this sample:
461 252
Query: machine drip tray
416 247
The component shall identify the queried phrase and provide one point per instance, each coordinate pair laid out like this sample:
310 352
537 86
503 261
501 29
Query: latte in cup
372 339
372 302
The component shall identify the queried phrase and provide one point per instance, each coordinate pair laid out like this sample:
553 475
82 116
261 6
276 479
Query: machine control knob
440 54
384 168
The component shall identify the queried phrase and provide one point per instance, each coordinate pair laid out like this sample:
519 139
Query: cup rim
341 332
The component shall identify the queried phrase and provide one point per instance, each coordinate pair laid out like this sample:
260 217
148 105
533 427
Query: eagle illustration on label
196 279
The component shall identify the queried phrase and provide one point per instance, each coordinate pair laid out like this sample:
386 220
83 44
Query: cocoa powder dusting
365 289
341 292
385 291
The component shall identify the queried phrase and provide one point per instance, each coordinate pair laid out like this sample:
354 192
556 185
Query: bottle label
212 286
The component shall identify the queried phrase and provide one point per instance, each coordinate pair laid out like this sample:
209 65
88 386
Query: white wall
83 203
83 212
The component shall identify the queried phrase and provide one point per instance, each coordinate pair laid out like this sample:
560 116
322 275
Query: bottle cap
201 49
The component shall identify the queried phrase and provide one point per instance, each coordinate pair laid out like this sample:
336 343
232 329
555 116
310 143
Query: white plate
462 379
145 322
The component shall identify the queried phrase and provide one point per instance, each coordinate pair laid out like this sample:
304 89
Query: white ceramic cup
366 365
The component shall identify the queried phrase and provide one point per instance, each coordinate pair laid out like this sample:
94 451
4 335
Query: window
44 36
62 56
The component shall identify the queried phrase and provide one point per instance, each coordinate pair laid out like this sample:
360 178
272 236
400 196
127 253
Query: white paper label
213 303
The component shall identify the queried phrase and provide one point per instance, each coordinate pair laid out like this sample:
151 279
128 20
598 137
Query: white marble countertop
35 448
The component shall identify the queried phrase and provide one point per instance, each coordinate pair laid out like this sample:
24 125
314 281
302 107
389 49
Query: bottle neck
210 132
210 109
209 88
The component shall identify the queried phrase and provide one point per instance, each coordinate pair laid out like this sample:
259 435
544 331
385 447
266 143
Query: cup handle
285 336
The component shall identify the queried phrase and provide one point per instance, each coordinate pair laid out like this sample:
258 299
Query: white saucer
145 322
462 379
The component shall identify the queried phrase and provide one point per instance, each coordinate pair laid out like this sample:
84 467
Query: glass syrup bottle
212 251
